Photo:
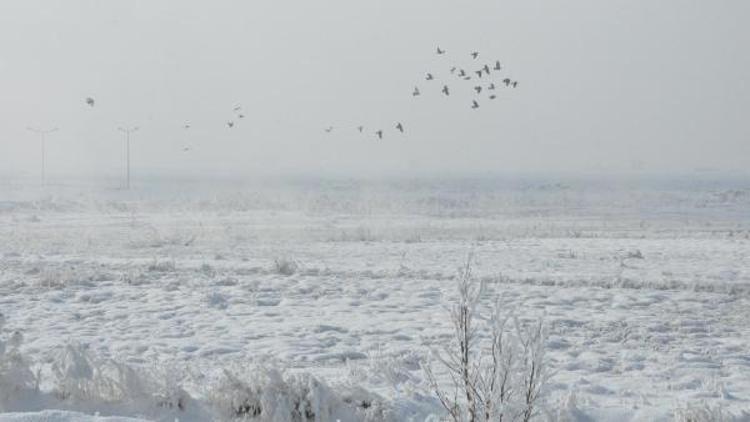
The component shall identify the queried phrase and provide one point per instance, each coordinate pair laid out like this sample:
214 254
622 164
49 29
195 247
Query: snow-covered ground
644 285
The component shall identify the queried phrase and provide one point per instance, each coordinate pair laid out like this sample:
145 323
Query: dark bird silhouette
241 116
400 127
493 96
453 69
237 108
497 65
506 81
185 149
486 69
380 134
445 90
491 87
429 77
461 73
329 129
478 89
186 126
467 78
479 73
515 84
230 124
416 91
475 55
474 104
439 51
360 128
90 101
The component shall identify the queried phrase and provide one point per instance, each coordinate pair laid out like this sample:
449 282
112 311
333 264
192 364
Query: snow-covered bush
217 300
500 378
704 412
166 266
81 377
16 375
285 265
267 394
167 390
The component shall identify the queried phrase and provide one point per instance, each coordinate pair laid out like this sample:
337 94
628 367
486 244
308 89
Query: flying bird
515 84
506 81
416 91
429 77
329 129
467 78
90 101
380 134
486 69
475 55
493 96
230 124
462 73
241 116
237 108
478 89
360 128
474 104
400 127
491 87
445 90
479 73
185 149
186 126
453 69
497 65
439 51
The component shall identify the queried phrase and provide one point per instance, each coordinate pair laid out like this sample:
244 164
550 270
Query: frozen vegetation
583 300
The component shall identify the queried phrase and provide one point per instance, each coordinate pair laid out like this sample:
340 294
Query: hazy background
604 85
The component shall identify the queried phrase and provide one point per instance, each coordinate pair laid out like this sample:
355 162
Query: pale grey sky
602 84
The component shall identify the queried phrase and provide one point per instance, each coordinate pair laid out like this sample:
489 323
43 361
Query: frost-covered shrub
15 371
635 254
81 377
704 412
134 278
267 394
285 265
217 300
55 277
62 276
395 372
207 270
493 377
167 266
167 390
566 410
355 234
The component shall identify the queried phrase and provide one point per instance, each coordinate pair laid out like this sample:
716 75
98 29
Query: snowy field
644 285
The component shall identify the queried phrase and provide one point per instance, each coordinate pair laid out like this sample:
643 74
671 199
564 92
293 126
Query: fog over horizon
603 86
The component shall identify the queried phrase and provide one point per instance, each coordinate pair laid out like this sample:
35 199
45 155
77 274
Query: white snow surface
61 416
645 290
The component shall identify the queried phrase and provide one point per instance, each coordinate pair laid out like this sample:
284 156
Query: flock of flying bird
237 110
482 76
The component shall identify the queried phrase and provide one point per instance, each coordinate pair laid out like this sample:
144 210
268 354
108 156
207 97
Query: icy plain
644 284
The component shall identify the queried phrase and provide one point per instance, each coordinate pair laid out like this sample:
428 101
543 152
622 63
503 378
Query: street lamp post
127 132
42 135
